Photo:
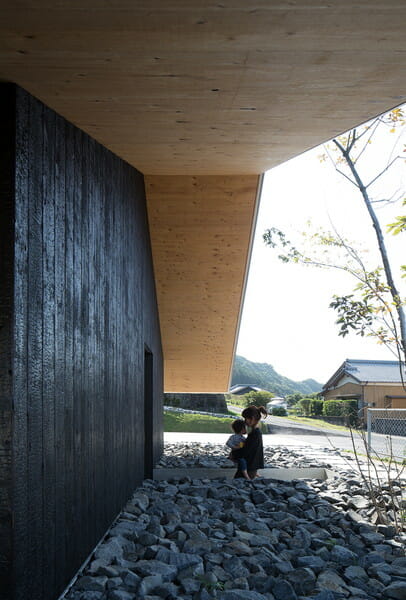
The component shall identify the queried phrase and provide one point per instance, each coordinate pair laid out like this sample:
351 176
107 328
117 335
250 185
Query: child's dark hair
238 425
254 412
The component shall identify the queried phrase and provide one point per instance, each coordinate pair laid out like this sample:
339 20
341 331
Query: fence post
369 427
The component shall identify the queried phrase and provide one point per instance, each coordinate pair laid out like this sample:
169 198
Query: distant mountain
267 378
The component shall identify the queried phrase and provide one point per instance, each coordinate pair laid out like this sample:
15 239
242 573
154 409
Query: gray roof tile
368 371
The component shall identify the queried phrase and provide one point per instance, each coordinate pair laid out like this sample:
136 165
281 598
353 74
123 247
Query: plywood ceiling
225 87
200 231
198 88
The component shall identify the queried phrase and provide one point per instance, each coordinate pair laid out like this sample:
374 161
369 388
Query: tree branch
383 171
374 127
381 245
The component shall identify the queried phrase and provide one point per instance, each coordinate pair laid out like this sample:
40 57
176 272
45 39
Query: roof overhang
348 396
200 231
195 89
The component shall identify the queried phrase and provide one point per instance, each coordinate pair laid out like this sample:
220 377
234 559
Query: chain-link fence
386 429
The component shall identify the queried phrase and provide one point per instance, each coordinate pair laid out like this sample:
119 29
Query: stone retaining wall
213 403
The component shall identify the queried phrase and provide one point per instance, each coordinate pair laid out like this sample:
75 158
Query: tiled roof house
375 383
244 388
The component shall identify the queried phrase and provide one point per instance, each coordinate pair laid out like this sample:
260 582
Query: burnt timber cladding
78 323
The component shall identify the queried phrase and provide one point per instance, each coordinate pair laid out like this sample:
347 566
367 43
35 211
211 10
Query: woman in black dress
253 451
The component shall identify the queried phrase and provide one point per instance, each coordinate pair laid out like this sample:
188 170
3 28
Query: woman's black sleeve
248 449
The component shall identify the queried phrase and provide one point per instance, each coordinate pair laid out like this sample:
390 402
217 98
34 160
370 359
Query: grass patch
386 459
191 423
317 423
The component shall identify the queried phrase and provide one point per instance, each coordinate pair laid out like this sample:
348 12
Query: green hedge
316 407
255 398
279 411
237 400
304 406
342 408
310 407
332 408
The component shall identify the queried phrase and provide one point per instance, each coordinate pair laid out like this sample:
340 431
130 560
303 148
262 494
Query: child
252 451
237 441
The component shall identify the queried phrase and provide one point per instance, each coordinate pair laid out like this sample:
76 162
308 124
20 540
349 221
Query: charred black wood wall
7 161
78 312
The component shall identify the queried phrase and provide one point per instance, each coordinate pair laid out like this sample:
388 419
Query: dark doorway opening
148 414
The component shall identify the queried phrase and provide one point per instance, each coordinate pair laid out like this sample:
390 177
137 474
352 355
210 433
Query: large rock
358 502
303 580
396 590
95 584
355 572
315 563
120 595
148 585
235 567
330 580
146 568
343 556
282 590
140 500
110 550
131 580
181 560
240 595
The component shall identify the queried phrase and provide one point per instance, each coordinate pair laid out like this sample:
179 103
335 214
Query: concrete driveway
382 445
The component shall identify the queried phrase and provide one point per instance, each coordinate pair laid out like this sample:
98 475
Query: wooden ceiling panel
199 226
125 72
206 89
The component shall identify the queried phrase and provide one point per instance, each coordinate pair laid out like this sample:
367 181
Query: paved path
382 445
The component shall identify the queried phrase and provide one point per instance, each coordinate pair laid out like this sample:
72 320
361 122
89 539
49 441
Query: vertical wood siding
84 309
7 160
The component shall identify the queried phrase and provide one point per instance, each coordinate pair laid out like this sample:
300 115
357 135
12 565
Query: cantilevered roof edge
247 268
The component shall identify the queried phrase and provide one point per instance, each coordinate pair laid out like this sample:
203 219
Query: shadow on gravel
196 538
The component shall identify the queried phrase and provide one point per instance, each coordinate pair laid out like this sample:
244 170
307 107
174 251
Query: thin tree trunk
382 248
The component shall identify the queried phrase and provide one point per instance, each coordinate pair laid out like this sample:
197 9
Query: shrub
342 408
316 407
304 406
350 410
279 411
238 400
258 398
332 408
171 400
292 399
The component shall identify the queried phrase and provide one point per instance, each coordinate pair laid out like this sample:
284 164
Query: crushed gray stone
199 539
209 455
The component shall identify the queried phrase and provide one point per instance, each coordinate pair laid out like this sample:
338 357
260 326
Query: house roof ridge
244 384
366 371
371 361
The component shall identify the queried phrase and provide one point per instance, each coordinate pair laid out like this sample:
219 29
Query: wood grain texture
82 270
208 88
7 169
180 88
201 236
21 441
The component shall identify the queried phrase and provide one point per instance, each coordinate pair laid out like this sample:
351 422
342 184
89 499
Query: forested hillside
265 376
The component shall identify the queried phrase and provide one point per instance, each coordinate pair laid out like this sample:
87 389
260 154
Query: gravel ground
210 455
196 539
